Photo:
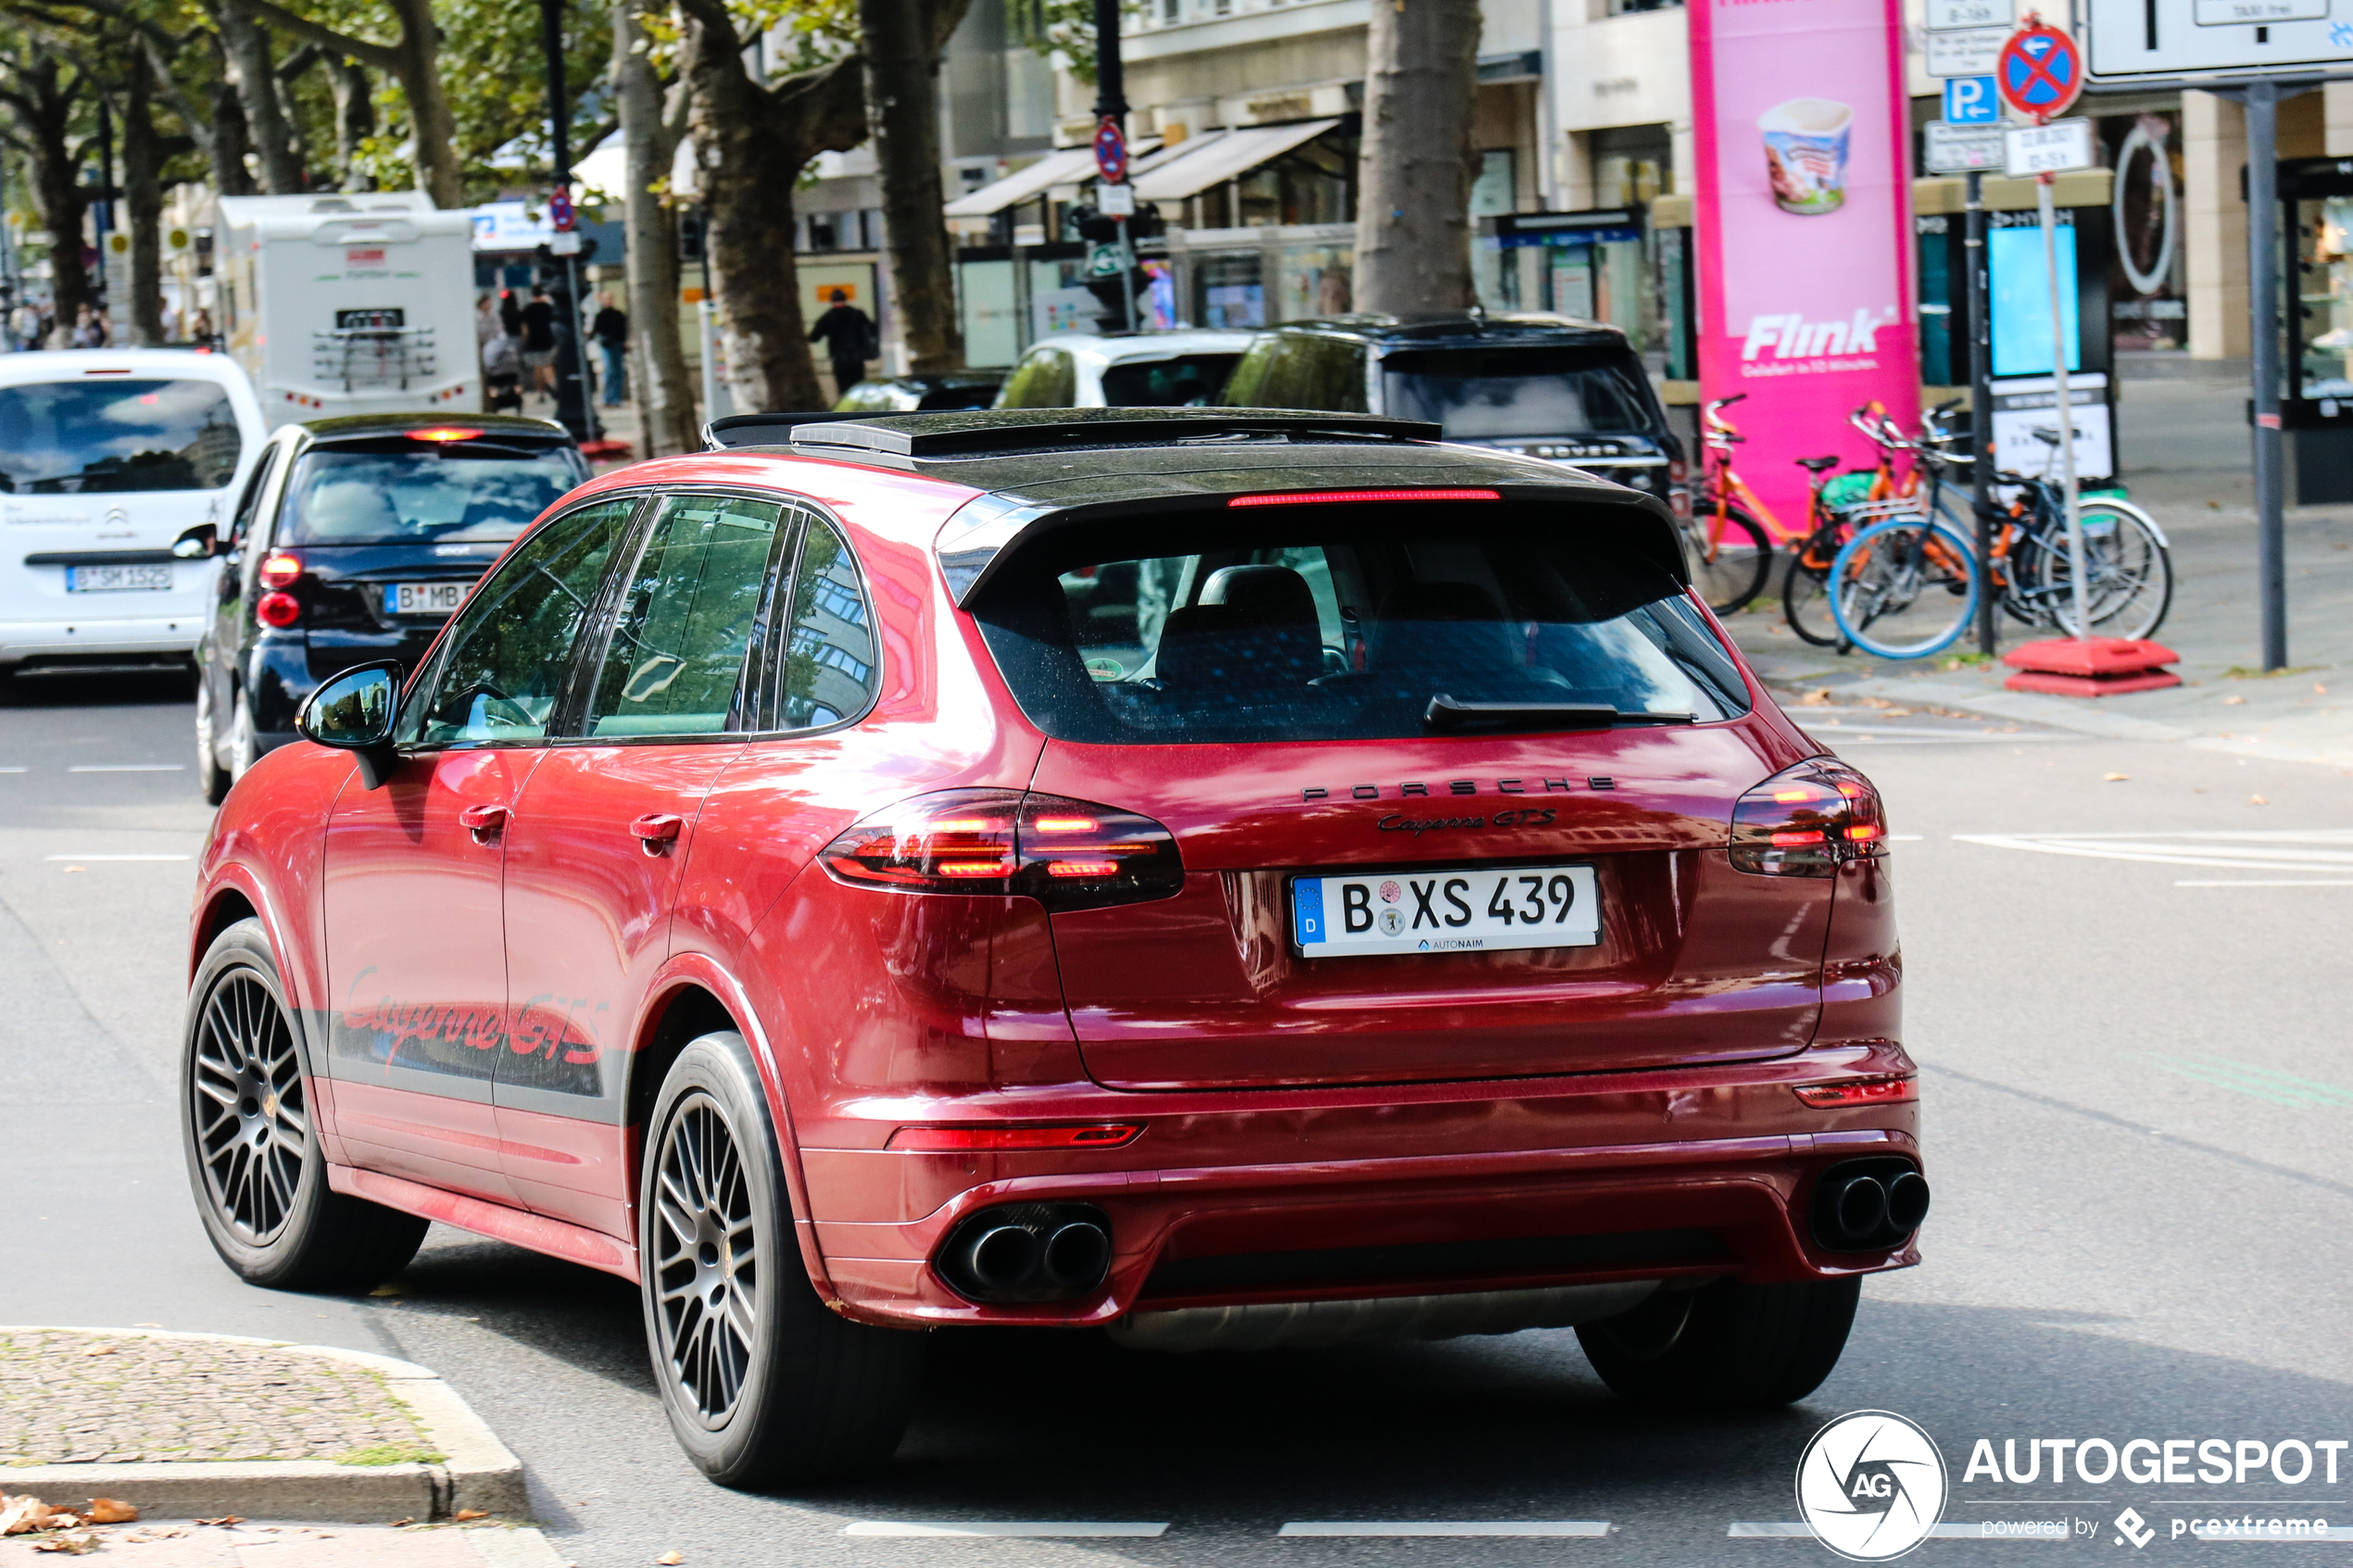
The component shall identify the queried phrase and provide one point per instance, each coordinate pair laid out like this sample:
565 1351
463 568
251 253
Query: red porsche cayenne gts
1229 879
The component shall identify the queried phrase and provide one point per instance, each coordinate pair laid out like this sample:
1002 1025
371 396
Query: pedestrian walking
88 329
611 331
848 333
539 341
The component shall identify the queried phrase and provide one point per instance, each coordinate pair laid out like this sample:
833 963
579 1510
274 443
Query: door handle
656 831
485 823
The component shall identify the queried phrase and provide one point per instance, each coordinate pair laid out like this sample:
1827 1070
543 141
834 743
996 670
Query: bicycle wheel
1806 600
1903 588
1732 571
2131 583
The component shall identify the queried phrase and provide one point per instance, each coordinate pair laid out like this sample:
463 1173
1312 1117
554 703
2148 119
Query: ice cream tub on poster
1806 142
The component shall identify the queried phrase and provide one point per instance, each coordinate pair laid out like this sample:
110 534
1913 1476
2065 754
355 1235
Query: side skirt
536 1232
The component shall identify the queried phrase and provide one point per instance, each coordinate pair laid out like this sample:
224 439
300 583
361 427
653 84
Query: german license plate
424 599
118 579
1482 911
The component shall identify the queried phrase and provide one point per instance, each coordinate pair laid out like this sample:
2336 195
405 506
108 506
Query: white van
107 456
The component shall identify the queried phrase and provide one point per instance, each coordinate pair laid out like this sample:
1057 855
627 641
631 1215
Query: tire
1806 600
211 777
2132 573
241 743
1738 568
1728 1347
1903 588
773 1389
254 1161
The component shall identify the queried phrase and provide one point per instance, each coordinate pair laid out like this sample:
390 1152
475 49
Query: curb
479 1471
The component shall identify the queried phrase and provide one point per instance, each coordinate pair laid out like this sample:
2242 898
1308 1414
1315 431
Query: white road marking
79 858
1548 1527
1756 1531
2326 850
1018 1530
20 770
2253 883
1917 732
129 768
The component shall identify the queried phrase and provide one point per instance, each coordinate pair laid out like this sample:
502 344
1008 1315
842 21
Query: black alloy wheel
706 1260
252 1123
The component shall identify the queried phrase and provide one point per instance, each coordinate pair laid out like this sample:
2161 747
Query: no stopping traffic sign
2040 70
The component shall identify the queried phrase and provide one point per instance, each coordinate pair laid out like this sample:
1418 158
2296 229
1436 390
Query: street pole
1981 403
1111 103
104 216
2263 311
2064 383
572 407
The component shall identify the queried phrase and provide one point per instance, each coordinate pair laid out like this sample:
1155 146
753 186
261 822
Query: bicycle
1731 553
1837 509
1907 587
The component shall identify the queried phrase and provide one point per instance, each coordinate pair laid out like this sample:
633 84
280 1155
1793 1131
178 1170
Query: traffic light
1103 275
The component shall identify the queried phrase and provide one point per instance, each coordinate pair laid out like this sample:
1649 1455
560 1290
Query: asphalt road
2136 1084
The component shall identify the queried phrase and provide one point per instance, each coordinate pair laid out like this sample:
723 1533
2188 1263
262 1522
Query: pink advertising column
1805 228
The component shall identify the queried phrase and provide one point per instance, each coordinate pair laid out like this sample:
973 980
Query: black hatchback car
354 540
1553 387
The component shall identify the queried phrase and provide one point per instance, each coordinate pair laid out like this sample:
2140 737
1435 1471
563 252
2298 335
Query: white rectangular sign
2056 148
2149 40
1970 52
1956 149
1947 16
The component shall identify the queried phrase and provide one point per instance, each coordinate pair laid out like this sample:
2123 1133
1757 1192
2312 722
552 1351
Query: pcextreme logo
1872 1485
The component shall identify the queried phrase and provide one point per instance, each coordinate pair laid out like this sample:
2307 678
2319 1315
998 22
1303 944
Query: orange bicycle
1732 555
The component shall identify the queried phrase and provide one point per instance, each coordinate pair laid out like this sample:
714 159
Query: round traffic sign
1111 152
2040 71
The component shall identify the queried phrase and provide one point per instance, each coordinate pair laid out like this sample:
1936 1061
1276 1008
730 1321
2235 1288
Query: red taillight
1806 820
1103 1135
280 571
280 609
1318 498
1065 854
1870 1091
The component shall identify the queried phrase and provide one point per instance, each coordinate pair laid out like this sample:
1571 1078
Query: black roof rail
980 432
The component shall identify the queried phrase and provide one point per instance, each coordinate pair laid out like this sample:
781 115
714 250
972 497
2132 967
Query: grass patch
2240 672
391 1453
1965 661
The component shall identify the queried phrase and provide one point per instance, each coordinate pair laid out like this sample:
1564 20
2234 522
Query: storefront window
2326 292
2149 309
1317 281
1228 290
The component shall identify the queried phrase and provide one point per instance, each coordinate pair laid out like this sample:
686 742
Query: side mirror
354 712
200 542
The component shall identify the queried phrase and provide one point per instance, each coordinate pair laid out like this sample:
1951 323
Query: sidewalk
250 1544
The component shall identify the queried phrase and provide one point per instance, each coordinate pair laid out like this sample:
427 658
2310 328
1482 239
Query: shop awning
1219 159
1069 166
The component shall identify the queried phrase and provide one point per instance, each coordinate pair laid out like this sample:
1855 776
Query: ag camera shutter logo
1872 1485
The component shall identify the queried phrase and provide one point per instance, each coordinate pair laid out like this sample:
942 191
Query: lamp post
575 410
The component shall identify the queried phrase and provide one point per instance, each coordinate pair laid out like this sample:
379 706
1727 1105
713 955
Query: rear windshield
115 436
1350 623
1190 381
1482 392
447 491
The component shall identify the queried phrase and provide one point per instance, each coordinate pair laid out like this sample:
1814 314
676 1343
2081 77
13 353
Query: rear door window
1301 371
1188 381
1488 393
831 667
1354 623
676 655
115 436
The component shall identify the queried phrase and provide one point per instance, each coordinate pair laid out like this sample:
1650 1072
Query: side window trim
750 712
588 649
771 704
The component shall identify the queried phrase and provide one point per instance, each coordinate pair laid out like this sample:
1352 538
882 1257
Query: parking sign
1970 100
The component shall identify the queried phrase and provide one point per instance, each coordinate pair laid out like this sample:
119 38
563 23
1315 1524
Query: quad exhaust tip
1868 1205
1027 1252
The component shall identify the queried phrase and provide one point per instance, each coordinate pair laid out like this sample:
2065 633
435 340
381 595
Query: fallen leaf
109 1350
2316 685
2228 701
672 1560
466 1513
159 1326
2257 800
111 1510
73 1546
2112 778
21 1513
398 1523
396 1290
70 870
228 1519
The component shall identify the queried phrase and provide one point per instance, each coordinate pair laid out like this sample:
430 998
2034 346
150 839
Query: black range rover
1553 387
354 540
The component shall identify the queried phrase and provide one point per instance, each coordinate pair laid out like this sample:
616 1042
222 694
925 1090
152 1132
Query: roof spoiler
896 439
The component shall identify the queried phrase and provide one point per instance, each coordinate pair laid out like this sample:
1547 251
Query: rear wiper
1445 713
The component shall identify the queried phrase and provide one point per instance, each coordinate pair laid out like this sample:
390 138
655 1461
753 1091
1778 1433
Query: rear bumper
99 633
1312 1203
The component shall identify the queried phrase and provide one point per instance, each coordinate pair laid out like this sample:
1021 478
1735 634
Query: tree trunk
45 109
231 139
143 156
1413 207
355 119
256 84
750 144
430 121
903 41
664 392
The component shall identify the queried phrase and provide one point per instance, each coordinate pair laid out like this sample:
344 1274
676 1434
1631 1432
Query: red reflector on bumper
1873 1091
1099 1134
1314 497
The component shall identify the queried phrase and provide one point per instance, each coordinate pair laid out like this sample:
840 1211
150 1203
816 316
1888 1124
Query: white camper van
359 304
